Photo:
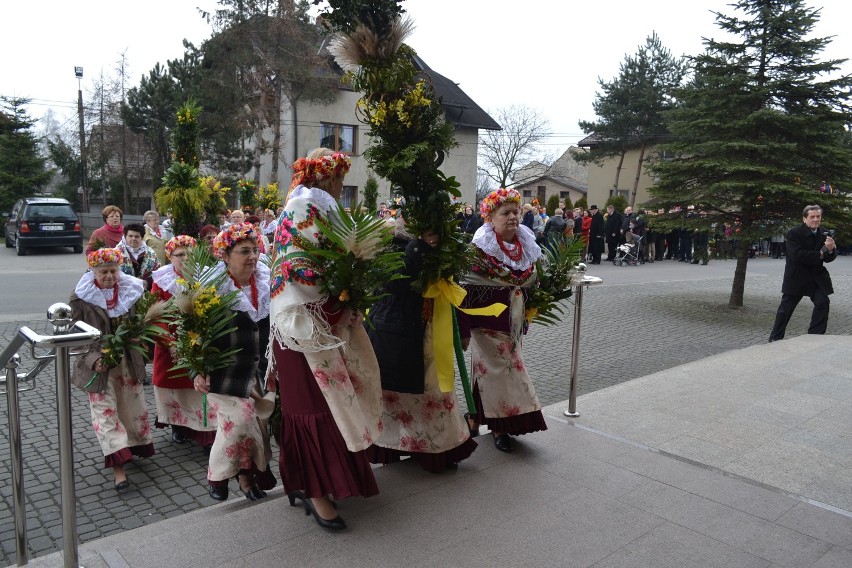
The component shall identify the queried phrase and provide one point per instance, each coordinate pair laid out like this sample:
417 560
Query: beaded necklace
515 254
110 304
253 287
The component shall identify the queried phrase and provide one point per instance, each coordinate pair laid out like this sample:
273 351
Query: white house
336 126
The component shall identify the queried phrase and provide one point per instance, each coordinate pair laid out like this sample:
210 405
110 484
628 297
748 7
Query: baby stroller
629 254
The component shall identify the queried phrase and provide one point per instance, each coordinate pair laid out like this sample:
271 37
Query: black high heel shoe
253 493
292 496
337 523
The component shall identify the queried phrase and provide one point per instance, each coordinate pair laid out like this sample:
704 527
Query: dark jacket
554 228
396 327
528 219
248 366
596 233
612 226
804 271
470 223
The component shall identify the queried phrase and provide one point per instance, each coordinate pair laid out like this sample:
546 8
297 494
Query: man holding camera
808 249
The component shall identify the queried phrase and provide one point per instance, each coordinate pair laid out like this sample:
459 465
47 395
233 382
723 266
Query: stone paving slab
725 419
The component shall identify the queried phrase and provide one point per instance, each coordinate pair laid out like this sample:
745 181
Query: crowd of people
351 394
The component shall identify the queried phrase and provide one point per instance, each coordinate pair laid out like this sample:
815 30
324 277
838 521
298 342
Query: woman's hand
100 367
271 380
354 318
201 383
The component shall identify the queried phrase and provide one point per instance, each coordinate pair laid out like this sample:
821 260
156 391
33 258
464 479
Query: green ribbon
465 380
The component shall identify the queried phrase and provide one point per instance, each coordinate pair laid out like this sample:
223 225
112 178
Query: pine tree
22 168
758 129
630 108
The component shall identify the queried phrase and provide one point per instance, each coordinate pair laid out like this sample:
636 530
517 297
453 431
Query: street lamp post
78 72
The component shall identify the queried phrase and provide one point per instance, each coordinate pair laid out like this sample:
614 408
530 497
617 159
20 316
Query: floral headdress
234 234
497 198
307 172
179 241
103 256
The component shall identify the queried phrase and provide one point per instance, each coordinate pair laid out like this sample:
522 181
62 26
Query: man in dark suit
808 249
596 235
612 228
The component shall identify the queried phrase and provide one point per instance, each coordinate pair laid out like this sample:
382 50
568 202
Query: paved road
641 320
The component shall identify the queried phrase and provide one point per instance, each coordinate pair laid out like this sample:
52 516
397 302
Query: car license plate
52 227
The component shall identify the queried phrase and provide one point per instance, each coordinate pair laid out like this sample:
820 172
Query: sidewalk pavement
740 459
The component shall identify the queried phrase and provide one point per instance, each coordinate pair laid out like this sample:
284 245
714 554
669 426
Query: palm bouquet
556 271
202 315
135 331
353 257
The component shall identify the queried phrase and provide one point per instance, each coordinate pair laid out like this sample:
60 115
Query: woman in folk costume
240 448
178 403
418 419
139 259
503 270
102 298
328 377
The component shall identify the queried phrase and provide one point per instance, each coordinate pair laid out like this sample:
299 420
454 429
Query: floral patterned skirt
183 408
429 426
239 442
120 419
504 393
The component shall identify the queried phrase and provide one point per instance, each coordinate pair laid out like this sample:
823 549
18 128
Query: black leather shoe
254 493
122 486
337 523
218 492
504 443
178 437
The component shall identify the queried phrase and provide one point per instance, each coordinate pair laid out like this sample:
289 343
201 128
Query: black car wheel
8 242
19 248
78 249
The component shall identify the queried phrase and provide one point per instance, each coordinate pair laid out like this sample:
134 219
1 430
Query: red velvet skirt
313 456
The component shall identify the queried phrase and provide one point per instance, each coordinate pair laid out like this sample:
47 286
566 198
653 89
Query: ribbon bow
448 294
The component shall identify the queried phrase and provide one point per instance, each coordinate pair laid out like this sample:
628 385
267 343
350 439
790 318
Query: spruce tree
22 168
760 126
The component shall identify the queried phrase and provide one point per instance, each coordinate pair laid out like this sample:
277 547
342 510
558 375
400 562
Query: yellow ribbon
448 294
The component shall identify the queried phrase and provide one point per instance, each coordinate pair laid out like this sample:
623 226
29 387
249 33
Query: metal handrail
579 286
67 334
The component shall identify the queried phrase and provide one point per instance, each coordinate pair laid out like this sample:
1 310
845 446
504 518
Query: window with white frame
338 137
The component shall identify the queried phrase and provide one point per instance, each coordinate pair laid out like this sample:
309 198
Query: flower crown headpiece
103 256
497 198
234 234
307 172
179 241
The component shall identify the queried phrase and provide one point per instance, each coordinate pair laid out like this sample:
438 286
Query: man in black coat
808 249
596 235
612 229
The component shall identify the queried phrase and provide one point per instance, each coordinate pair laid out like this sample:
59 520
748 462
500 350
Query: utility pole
78 72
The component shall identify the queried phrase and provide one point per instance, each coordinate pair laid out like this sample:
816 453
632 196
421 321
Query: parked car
42 222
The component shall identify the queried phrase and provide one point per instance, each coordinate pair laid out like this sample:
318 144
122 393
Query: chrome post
582 283
60 316
21 552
